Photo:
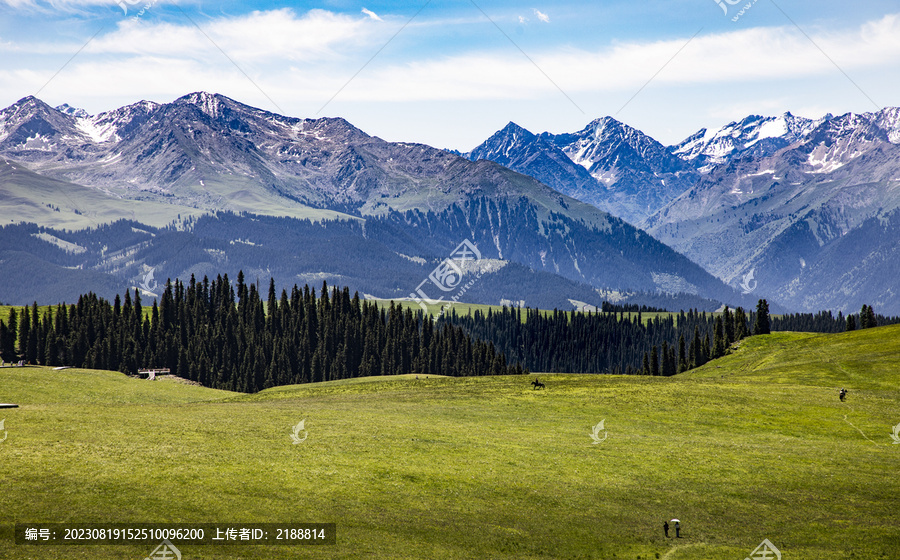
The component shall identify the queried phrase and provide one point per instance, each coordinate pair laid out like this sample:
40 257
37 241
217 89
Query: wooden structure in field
152 373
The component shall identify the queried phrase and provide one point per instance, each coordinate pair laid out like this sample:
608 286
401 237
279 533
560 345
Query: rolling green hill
750 447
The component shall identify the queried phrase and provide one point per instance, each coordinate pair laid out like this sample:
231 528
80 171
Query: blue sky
450 73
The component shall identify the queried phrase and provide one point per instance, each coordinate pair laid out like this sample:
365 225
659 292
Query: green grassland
23 196
750 447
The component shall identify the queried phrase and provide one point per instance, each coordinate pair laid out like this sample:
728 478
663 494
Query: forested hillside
230 338
227 338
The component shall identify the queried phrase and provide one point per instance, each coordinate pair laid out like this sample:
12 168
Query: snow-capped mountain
608 164
773 195
783 213
520 150
33 126
207 153
755 135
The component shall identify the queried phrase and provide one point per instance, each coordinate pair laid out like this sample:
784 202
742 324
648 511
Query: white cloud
277 35
542 16
523 20
371 14
282 38
302 60
744 56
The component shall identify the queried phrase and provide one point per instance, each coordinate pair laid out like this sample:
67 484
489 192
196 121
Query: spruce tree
654 361
24 328
668 360
728 321
867 318
740 324
13 326
6 343
705 350
718 339
762 318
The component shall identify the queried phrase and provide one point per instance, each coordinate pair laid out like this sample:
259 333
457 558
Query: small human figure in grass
842 394
677 529
666 528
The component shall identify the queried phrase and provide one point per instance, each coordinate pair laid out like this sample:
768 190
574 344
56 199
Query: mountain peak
28 99
67 109
30 102
198 97
764 135
607 163
513 127
498 147
604 127
209 103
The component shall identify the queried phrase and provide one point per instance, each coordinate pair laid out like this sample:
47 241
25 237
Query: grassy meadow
752 446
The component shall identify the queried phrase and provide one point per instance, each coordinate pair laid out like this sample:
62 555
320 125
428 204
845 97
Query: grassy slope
24 195
482 467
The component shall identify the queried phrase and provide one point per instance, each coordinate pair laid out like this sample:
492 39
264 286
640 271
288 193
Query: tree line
615 342
611 342
826 322
228 338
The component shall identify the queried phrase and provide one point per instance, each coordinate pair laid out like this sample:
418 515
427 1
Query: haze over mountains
195 177
804 211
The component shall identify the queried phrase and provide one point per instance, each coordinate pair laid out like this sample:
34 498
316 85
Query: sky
451 73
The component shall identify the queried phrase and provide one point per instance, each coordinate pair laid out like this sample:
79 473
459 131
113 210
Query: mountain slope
758 202
608 164
518 149
206 152
211 152
784 216
754 136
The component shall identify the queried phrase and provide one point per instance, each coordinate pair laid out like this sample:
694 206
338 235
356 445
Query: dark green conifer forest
230 337
227 337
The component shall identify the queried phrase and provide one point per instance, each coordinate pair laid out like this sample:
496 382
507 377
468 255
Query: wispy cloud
321 38
283 38
735 57
371 14
542 16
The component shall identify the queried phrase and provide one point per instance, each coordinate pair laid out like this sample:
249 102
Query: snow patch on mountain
770 129
97 131
888 119
822 164
206 102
